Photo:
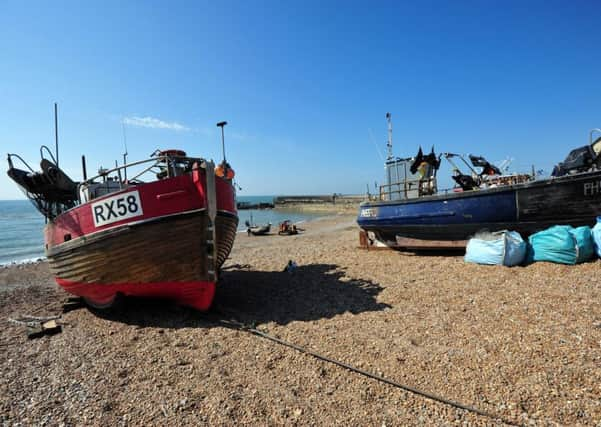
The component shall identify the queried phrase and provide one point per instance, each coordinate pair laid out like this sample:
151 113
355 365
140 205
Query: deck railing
165 163
408 189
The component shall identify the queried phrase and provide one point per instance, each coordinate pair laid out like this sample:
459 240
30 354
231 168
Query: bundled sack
585 246
561 244
499 248
596 232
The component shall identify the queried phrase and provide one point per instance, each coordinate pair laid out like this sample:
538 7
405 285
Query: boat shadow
443 252
310 292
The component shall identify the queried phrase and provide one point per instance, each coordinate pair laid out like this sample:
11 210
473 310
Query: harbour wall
325 203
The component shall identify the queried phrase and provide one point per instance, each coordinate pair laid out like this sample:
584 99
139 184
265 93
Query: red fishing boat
109 236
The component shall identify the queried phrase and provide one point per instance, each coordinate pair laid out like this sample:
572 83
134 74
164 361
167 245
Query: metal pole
56 132
222 125
223 143
83 168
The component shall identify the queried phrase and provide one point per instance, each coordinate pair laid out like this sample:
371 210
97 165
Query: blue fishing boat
410 206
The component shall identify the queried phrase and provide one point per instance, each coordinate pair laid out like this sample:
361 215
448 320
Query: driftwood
32 320
46 328
38 326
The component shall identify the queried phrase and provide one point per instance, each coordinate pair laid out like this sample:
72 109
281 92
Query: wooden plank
406 242
46 328
369 242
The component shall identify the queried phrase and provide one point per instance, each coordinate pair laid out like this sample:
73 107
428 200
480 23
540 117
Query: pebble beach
522 344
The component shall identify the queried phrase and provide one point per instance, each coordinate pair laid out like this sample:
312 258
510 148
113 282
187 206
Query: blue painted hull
526 208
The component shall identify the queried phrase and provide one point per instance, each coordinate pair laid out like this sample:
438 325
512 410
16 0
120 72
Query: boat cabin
581 159
402 183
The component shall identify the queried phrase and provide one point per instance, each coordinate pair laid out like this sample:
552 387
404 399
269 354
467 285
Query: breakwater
331 202
250 205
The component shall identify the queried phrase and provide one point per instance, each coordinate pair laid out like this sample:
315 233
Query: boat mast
56 132
389 143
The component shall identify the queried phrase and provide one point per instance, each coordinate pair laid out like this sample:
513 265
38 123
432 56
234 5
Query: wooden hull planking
155 258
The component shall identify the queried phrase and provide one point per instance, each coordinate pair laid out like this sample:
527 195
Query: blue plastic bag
485 251
500 248
597 236
584 243
555 244
515 249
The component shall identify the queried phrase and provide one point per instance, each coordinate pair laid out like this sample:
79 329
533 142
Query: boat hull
259 230
166 251
527 208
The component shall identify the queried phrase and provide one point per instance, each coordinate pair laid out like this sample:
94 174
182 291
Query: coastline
23 261
519 342
331 208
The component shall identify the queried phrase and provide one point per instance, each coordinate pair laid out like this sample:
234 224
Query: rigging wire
371 137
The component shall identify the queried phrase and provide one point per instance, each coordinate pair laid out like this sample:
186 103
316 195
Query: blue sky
301 83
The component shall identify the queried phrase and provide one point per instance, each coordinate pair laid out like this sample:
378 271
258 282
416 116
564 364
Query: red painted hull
198 295
159 248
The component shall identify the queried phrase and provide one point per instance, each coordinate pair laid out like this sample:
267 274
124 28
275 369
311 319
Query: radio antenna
56 132
125 152
371 136
389 143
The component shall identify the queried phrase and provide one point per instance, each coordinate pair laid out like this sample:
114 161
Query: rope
234 324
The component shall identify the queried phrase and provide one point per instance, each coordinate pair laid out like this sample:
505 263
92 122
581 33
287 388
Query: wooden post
363 239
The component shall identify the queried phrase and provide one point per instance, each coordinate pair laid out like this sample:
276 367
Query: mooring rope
234 324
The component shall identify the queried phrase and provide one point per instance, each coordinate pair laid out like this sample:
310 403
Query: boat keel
197 294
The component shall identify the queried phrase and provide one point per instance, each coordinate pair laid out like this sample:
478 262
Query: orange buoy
225 171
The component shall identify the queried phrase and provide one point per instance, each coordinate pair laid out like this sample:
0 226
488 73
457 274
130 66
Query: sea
21 232
273 216
21 226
